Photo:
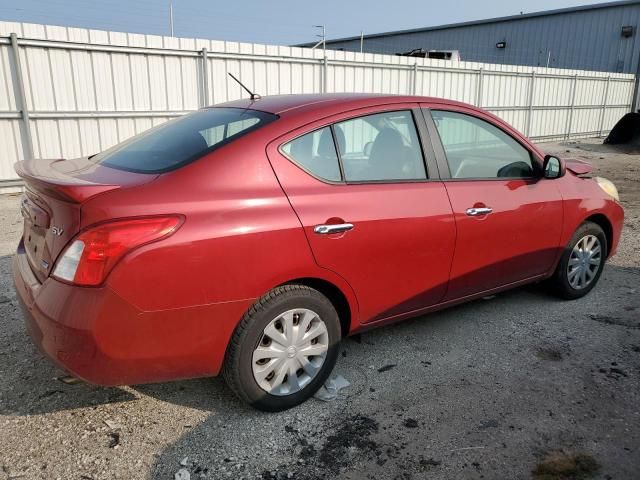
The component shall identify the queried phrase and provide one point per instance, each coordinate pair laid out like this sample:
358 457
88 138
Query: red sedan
250 237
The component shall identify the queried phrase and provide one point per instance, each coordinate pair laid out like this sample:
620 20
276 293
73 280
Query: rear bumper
97 336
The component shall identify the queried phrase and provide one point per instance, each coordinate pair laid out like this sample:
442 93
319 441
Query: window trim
443 163
420 131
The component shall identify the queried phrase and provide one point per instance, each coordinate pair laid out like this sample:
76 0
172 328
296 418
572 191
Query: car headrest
386 146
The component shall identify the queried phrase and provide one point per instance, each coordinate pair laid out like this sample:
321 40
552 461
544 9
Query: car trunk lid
51 205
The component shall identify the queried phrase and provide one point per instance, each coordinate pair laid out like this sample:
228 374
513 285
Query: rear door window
380 147
180 141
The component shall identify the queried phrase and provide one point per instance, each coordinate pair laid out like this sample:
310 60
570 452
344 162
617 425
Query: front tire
582 262
284 348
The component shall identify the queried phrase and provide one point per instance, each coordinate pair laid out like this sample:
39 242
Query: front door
508 218
359 184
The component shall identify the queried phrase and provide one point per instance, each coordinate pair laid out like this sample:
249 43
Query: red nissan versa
250 237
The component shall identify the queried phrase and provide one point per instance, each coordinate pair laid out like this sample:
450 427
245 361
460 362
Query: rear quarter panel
240 238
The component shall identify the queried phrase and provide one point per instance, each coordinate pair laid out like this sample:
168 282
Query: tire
279 310
564 284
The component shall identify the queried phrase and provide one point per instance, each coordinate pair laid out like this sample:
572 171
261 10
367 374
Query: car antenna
254 96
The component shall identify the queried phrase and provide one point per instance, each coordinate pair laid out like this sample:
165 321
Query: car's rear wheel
284 348
581 263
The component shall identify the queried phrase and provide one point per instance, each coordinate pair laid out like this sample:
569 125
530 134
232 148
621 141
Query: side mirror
553 167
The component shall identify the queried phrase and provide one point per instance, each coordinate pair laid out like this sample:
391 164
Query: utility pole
171 17
323 39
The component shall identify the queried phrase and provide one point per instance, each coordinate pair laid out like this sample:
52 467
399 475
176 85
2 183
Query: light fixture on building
627 31
501 45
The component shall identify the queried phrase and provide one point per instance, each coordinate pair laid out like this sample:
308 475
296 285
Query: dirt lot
518 386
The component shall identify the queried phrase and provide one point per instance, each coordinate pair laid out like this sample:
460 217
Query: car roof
282 104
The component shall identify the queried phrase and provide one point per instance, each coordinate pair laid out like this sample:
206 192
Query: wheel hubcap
584 262
291 352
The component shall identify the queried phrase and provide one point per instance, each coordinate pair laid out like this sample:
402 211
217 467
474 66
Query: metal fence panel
76 91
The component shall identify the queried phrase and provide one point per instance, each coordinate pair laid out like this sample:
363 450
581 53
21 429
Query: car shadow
226 439
31 384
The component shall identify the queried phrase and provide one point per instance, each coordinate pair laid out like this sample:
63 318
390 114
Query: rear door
362 190
508 218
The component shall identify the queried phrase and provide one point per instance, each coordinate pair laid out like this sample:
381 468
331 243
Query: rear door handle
333 228
474 212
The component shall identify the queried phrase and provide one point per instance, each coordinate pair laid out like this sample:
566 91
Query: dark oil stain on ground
350 443
610 320
549 353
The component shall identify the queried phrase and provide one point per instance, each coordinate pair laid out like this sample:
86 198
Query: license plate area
36 226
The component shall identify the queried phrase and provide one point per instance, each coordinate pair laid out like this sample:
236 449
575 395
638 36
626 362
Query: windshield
180 141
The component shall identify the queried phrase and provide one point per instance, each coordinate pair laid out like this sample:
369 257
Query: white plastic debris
184 462
182 474
69 380
111 424
331 387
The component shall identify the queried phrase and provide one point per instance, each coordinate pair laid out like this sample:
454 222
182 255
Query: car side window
316 153
477 149
380 147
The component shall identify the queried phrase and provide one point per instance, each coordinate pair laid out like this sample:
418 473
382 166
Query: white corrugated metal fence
75 92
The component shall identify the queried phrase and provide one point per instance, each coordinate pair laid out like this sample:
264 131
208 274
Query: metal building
602 37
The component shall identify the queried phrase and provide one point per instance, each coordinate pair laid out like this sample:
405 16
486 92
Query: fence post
414 87
573 104
479 91
530 112
205 78
325 71
21 99
604 104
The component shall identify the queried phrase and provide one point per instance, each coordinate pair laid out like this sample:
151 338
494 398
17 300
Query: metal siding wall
586 40
87 90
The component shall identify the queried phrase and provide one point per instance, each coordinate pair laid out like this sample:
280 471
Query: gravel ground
518 386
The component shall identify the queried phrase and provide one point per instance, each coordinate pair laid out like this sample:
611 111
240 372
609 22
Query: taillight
94 252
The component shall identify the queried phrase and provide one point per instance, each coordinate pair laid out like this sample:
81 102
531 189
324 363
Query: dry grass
566 466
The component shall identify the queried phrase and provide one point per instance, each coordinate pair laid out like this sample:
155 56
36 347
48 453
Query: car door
508 217
359 184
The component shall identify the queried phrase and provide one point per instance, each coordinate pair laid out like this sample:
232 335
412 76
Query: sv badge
57 230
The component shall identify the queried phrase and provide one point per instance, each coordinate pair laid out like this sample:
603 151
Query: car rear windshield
180 141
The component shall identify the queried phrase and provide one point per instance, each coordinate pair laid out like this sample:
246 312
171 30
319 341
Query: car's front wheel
284 348
581 263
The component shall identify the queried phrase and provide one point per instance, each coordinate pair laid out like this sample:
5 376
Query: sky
282 22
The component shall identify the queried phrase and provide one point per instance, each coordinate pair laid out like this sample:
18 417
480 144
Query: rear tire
581 264
284 348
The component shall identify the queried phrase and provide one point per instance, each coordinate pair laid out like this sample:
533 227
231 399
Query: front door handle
332 228
474 212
